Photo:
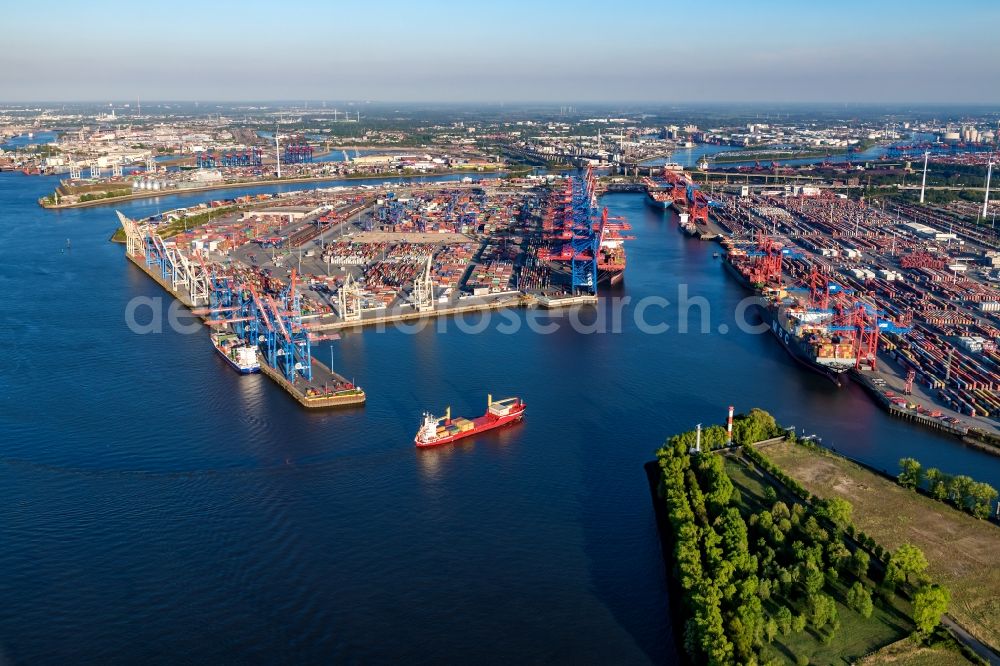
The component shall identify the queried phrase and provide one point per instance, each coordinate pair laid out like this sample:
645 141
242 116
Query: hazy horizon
772 52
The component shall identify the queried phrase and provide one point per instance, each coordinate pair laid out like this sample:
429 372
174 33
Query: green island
763 571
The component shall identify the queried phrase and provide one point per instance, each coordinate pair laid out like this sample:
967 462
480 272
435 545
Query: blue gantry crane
271 322
585 241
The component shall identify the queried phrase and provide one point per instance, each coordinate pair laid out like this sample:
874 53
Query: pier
324 389
381 318
904 412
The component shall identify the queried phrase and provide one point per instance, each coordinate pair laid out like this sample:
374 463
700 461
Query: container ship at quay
807 335
240 356
438 430
611 249
606 240
658 195
659 199
611 261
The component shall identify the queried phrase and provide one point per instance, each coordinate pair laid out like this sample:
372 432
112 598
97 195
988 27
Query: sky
851 51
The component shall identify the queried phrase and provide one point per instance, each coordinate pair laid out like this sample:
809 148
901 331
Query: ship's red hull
480 425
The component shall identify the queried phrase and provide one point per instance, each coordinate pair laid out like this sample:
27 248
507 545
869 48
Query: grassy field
961 550
857 636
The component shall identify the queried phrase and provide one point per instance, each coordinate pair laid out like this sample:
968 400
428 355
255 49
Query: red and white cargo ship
437 430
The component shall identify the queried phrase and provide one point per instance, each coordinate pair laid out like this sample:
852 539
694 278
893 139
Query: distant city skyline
657 52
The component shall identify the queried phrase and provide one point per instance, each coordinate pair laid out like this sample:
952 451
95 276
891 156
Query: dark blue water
155 503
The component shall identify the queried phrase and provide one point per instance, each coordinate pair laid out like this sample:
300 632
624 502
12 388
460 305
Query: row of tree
755 426
906 566
963 492
750 575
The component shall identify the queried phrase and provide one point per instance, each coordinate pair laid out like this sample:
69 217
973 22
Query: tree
888 587
906 561
910 474
822 609
712 469
929 604
742 640
756 426
982 496
937 483
859 563
779 510
688 556
764 589
812 580
770 629
733 531
708 634
784 618
837 554
696 497
959 488
799 623
785 580
838 511
859 599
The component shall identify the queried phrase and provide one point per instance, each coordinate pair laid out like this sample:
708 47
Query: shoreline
654 478
151 194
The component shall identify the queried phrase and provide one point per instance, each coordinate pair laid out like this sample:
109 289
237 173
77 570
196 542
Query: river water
158 507
689 157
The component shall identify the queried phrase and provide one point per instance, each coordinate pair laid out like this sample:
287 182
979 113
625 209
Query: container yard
906 297
279 273
904 292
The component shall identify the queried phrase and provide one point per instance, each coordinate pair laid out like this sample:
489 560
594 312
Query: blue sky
666 51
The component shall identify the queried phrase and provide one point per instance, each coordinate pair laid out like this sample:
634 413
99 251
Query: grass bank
908 652
763 572
960 549
858 636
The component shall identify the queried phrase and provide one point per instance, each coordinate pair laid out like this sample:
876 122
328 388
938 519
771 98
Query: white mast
277 149
923 183
986 199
